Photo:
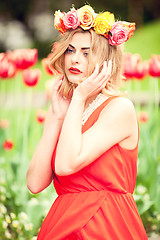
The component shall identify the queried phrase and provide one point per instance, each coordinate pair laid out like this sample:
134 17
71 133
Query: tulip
154 66
134 67
40 115
31 77
141 70
7 67
24 58
46 64
8 145
143 117
4 123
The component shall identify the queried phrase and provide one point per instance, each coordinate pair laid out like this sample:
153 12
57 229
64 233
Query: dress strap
93 116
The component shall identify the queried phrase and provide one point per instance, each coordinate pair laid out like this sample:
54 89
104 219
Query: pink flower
71 20
154 66
118 34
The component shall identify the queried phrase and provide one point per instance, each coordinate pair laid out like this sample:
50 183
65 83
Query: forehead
81 40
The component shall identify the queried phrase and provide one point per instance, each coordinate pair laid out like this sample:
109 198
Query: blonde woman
89 145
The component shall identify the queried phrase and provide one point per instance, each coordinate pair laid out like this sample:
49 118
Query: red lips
74 70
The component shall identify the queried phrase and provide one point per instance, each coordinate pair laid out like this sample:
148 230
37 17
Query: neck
90 100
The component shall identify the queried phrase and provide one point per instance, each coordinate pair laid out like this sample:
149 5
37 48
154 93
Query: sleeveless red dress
96 203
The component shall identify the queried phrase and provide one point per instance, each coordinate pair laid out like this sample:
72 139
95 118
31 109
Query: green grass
145 41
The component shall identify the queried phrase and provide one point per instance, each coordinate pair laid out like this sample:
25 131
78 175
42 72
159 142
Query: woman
89 145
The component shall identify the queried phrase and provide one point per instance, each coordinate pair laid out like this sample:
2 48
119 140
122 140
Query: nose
75 58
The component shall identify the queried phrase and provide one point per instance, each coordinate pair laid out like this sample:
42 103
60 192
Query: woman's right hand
59 103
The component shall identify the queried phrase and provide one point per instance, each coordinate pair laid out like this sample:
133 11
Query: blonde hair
100 51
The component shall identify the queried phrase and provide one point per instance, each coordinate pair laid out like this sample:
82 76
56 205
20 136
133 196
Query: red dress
96 203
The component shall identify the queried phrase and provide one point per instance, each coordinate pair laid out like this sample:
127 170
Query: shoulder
121 111
119 105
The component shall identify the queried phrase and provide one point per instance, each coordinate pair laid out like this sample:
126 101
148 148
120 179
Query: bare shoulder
120 106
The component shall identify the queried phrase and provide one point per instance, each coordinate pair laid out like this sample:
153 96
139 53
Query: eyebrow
84 48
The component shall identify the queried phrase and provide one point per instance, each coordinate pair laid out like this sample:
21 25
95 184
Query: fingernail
109 63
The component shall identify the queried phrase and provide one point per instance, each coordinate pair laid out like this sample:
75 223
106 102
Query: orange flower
31 76
4 123
40 115
24 58
8 145
7 67
46 65
86 16
154 66
58 21
143 117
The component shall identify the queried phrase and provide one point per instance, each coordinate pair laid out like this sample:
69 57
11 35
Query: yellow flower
103 23
86 16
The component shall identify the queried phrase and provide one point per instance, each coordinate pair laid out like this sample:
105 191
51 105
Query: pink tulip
154 66
31 77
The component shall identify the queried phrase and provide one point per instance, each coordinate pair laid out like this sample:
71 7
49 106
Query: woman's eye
69 50
86 54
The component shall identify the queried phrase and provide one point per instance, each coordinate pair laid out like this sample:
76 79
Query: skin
117 122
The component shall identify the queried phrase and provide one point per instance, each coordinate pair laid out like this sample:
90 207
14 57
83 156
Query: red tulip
141 70
46 64
8 145
40 115
4 123
143 117
24 58
7 67
134 67
31 76
154 66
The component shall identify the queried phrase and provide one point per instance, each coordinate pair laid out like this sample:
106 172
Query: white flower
4 224
13 215
28 226
8 235
15 223
158 217
3 198
3 209
8 219
141 189
23 216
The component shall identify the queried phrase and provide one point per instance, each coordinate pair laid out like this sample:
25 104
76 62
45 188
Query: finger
95 72
57 83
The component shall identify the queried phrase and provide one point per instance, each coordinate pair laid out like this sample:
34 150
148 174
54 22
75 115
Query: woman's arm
116 123
40 174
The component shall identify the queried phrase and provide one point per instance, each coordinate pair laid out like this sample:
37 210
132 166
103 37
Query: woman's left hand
94 83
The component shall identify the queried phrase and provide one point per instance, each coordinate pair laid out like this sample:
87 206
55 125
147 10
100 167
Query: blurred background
29 23
27 36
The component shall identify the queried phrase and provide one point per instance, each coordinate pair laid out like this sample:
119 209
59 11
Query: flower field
25 91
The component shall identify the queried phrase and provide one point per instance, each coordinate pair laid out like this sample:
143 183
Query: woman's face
76 57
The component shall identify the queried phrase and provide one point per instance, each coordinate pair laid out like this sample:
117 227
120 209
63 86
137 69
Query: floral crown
102 23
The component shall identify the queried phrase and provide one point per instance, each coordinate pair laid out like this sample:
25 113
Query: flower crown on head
102 23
